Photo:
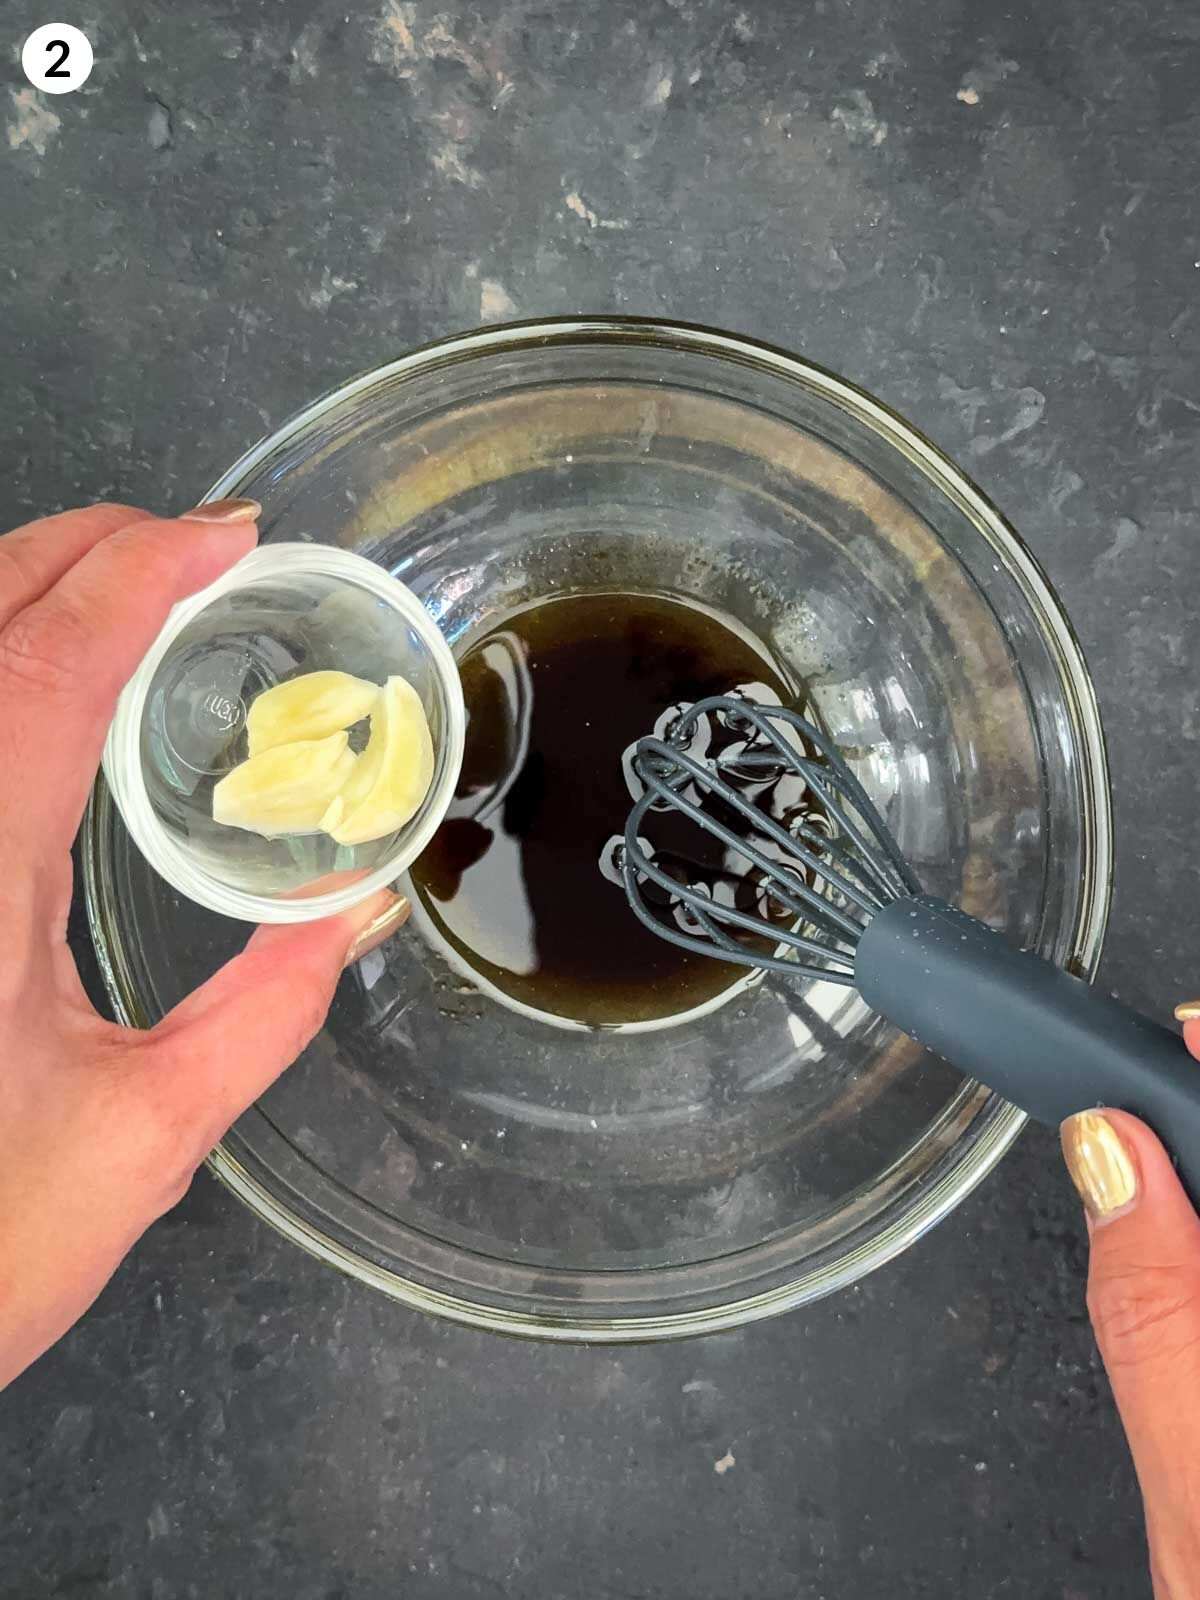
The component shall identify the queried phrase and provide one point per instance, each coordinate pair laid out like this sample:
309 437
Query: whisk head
801 883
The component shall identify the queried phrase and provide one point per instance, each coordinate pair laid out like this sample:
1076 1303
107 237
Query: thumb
1144 1302
232 1038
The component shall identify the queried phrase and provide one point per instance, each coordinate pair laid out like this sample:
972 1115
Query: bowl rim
1000 1123
122 765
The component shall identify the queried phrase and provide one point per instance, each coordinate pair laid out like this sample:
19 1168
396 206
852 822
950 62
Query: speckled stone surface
985 214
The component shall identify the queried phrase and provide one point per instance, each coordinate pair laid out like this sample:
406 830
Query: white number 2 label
57 58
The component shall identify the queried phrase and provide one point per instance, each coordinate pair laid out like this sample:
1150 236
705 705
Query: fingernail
1189 1011
225 511
1100 1166
379 929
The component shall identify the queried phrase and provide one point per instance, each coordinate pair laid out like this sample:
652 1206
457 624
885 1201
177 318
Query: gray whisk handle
1042 1039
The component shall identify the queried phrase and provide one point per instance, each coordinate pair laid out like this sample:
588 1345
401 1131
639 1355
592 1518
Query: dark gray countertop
983 213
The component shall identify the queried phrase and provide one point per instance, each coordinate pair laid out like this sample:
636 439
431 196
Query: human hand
1144 1301
102 1127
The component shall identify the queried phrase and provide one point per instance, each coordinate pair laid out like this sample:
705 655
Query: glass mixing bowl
612 1184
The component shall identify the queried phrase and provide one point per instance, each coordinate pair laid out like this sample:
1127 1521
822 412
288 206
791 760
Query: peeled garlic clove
287 789
393 774
309 707
335 813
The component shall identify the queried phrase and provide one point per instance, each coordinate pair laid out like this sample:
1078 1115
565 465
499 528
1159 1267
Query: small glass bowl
179 727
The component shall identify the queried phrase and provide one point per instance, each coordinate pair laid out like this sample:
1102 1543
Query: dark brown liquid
512 880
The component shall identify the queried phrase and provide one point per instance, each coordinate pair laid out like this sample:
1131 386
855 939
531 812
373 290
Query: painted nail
1101 1167
378 930
224 511
1189 1011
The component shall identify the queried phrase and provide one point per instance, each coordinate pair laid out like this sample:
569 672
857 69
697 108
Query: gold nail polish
1101 1167
224 511
1189 1011
378 930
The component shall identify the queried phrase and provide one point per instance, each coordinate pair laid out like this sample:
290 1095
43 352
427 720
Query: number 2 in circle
57 69
57 58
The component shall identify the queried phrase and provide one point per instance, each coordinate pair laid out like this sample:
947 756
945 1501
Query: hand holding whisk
832 898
